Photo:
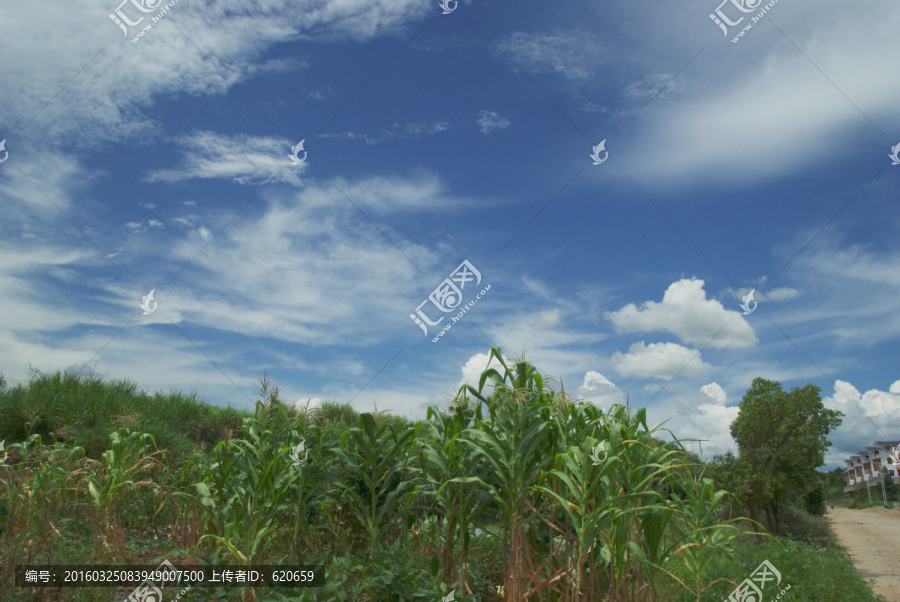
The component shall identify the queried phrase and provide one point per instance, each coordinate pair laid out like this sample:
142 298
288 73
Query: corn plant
38 487
248 483
512 443
369 482
608 479
448 466
106 487
584 501
639 475
307 492
699 533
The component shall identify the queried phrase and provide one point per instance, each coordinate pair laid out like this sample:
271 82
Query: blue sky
434 139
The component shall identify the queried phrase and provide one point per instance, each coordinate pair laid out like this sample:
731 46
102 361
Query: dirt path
872 537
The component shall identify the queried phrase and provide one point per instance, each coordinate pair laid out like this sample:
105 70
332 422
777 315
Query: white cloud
309 270
245 159
824 273
571 54
688 314
654 84
785 293
308 402
489 121
474 366
105 99
599 390
822 107
47 175
543 320
418 128
389 194
704 416
761 294
714 391
868 417
658 360
385 134
592 107
707 416
413 130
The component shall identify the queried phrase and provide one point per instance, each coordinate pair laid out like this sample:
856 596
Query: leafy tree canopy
782 438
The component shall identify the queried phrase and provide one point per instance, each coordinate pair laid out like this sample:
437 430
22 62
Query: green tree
782 440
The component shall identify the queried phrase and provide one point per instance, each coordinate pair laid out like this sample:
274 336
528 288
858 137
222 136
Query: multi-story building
865 466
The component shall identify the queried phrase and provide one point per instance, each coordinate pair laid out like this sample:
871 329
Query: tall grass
83 411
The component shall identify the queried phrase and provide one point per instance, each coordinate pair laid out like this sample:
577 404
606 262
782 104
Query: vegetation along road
873 539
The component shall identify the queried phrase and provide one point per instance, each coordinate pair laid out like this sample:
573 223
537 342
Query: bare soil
873 538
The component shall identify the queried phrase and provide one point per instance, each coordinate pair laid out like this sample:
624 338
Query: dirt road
872 537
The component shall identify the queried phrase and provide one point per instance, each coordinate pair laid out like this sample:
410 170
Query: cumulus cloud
658 360
868 417
474 366
705 416
599 390
688 314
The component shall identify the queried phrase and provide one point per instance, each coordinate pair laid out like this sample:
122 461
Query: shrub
814 501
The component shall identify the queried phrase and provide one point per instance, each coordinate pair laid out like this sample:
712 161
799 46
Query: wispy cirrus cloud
240 157
656 84
396 131
572 54
112 95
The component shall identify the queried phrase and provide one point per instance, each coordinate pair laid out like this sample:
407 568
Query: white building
866 465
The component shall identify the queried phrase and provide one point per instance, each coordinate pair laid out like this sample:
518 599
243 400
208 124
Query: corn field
523 494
